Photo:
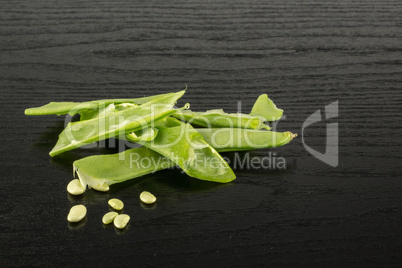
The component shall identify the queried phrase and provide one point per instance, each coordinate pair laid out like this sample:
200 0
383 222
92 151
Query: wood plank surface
304 54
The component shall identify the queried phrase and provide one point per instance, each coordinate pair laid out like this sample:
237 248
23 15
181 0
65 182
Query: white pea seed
77 213
116 204
147 197
104 187
75 187
121 221
109 217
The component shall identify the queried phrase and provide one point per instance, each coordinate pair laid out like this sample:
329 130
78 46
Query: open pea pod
146 134
73 108
80 133
218 118
185 146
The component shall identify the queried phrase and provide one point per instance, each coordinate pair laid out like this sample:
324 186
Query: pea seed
77 213
75 187
121 221
109 217
104 187
116 204
147 197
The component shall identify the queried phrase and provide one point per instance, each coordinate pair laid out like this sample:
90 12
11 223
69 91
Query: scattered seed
147 197
121 221
109 217
75 187
77 213
116 204
104 187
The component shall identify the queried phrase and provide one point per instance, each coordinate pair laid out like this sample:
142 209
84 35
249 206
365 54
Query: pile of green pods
168 136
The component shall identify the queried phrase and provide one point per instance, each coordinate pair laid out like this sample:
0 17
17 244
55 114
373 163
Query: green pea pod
186 147
58 108
237 139
220 119
73 108
116 168
266 108
80 133
146 134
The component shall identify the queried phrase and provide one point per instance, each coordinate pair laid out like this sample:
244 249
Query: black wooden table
305 55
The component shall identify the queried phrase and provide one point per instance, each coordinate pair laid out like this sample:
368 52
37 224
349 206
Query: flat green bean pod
73 108
116 168
218 118
238 139
80 133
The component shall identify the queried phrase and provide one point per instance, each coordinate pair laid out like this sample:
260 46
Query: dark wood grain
304 54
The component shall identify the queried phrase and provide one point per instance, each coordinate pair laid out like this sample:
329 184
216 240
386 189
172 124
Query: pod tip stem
294 135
